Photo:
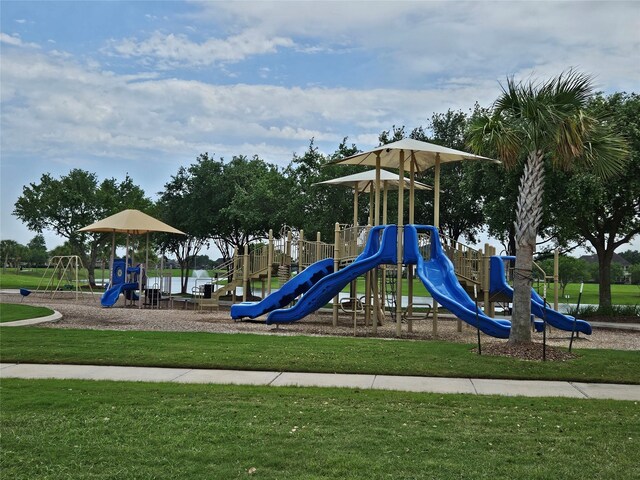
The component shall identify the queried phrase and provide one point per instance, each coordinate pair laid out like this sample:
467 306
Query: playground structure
62 275
450 273
457 276
130 279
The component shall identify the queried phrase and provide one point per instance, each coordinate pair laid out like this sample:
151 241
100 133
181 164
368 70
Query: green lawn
55 429
302 354
620 294
10 312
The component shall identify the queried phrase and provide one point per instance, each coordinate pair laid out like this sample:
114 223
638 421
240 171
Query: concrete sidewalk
473 386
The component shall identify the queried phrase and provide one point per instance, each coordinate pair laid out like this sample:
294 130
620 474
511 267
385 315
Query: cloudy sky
144 87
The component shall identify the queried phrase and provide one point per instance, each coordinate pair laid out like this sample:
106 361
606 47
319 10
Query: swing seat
24 293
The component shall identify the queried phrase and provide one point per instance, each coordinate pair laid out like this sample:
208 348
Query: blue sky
145 87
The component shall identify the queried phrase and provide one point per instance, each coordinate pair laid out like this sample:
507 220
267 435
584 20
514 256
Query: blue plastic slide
498 284
291 290
111 295
439 278
377 252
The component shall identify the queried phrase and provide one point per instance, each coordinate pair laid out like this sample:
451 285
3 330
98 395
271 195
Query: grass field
53 429
10 312
85 430
620 294
302 354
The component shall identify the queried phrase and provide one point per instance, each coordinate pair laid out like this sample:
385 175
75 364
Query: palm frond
491 133
569 137
550 117
605 153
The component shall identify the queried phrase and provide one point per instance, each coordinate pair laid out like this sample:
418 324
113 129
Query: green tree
316 208
256 201
499 187
460 201
62 250
74 201
230 204
546 119
616 273
203 262
635 274
631 256
37 251
601 212
570 270
11 253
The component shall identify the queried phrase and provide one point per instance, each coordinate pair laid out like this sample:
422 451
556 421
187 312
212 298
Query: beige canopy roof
130 221
414 156
423 155
363 182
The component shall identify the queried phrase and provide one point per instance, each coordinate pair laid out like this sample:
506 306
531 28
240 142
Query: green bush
612 311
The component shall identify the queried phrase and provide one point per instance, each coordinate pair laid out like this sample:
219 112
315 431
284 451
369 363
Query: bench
426 309
352 305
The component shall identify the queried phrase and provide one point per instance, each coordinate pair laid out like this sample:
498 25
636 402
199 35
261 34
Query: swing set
62 277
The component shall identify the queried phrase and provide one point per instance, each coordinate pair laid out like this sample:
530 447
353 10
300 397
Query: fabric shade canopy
414 156
364 182
130 221
422 155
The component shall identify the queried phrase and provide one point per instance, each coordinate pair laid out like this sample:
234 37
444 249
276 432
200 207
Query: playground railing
310 252
351 242
284 250
538 274
259 260
424 245
467 261
230 267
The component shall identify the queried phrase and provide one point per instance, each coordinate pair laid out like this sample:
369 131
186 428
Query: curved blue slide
498 284
282 297
111 295
439 278
376 252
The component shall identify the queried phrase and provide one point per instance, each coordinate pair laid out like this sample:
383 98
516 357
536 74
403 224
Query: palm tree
543 121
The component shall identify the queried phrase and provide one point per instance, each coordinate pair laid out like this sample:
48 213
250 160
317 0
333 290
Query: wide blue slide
377 252
439 278
498 284
282 297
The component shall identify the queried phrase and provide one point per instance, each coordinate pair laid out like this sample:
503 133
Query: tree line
233 202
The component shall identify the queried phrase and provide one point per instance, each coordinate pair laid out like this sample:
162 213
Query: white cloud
175 49
415 41
15 41
65 114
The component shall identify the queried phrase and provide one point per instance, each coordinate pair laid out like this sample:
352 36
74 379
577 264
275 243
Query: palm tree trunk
528 218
